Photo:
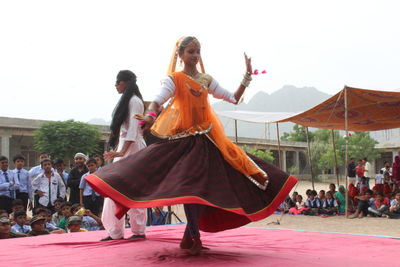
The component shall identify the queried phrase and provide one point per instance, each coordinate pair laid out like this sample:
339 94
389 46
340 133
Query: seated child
20 227
57 207
394 210
380 205
300 206
362 205
5 229
90 221
66 212
313 204
49 224
322 196
37 225
329 205
74 224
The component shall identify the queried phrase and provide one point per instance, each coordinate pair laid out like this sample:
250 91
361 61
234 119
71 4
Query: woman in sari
341 199
220 186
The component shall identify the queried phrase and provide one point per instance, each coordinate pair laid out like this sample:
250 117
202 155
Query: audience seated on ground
5 228
38 226
313 204
20 227
74 224
90 221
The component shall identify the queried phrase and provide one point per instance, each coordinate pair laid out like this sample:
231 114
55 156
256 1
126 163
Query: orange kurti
190 113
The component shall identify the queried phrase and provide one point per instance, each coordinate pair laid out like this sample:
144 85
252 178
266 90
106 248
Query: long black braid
121 110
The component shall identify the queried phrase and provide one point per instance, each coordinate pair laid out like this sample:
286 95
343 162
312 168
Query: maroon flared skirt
191 170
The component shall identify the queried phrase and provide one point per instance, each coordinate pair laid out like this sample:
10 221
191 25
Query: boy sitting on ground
362 205
5 228
394 210
380 205
37 225
66 212
74 224
20 228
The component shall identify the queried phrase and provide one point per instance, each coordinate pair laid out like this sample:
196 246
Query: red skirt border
104 189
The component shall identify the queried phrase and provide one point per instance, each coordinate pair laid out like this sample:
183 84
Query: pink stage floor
239 247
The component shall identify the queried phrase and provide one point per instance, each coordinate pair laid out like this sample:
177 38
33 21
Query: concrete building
17 138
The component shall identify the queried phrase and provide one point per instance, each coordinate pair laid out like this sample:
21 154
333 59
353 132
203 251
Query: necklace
193 75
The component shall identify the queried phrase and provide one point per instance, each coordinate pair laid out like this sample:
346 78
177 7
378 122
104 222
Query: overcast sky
59 59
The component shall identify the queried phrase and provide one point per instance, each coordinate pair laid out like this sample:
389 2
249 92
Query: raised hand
249 68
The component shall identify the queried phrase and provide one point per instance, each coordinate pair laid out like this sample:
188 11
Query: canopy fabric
255 117
368 110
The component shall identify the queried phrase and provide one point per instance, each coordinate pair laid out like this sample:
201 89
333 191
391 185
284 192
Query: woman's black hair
184 43
121 110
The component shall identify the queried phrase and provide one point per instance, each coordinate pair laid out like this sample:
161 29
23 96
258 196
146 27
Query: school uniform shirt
90 224
8 183
315 203
24 229
35 171
87 189
51 226
329 203
50 189
25 184
300 205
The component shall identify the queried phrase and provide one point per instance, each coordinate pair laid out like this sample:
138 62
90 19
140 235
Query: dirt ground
337 224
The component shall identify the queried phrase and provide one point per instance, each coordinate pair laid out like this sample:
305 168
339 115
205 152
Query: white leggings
115 227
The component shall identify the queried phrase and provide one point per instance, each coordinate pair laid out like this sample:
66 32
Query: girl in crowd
197 165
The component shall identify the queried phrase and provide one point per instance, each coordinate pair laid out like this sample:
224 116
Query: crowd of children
44 190
382 201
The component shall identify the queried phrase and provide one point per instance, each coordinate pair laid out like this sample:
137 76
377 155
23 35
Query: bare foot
196 247
186 242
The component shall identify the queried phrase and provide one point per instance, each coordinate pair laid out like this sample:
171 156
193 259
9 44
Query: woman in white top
126 139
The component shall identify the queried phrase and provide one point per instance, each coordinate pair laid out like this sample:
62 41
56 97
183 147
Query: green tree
299 134
64 138
322 155
361 145
264 155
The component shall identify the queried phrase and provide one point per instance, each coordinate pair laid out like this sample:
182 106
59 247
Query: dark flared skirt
192 170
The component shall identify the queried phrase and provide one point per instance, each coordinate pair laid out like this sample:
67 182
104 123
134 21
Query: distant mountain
287 99
99 121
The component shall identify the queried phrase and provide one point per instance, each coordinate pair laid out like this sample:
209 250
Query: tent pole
236 135
334 153
279 147
309 158
346 126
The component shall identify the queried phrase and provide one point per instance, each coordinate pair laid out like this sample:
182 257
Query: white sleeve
167 91
135 107
220 93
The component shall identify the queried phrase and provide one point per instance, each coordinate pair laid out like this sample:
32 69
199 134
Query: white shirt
41 182
367 169
130 129
168 88
379 178
8 188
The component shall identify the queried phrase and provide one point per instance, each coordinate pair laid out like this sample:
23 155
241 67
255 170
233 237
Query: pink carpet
238 247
